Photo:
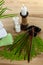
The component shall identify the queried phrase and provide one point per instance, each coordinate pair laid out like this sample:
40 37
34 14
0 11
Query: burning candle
23 10
17 24
24 14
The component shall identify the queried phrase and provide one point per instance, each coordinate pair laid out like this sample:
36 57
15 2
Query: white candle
3 33
1 25
17 24
23 10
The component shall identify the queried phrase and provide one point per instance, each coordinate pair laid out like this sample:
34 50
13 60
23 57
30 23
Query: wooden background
35 8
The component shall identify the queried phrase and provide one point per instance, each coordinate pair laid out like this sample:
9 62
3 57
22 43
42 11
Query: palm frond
21 45
8 15
37 46
17 40
2 2
2 10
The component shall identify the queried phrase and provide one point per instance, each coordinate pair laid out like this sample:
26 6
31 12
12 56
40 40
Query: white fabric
1 25
24 10
16 20
17 28
17 24
3 33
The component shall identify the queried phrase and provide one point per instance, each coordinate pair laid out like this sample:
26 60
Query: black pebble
36 30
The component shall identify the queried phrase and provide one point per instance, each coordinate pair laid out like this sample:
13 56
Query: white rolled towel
17 24
18 28
1 25
16 20
3 33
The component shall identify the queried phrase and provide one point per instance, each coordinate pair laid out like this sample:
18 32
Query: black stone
36 30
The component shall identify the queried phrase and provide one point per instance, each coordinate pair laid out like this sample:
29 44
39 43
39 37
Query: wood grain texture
35 8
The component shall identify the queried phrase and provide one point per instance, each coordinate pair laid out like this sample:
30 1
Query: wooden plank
35 7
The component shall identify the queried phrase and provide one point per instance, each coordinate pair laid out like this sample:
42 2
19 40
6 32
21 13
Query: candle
23 10
24 14
17 24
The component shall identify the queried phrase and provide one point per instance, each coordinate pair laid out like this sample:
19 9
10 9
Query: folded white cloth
1 25
3 33
16 20
18 28
17 24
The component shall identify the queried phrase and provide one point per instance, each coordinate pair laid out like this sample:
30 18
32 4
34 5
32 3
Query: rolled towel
16 20
1 25
17 25
3 33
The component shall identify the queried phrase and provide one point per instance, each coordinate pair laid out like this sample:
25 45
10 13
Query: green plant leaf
8 15
17 39
3 10
1 2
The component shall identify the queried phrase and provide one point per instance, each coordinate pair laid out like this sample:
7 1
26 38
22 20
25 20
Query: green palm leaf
2 10
21 43
17 40
1 2
37 46
8 15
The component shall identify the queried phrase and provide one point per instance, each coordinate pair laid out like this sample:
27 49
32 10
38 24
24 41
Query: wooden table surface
35 8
